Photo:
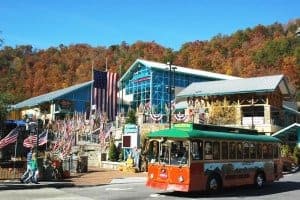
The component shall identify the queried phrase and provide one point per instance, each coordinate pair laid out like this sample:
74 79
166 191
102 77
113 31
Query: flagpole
92 87
37 141
91 104
106 64
47 138
15 156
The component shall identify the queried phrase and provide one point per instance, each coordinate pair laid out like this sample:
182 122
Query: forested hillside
256 51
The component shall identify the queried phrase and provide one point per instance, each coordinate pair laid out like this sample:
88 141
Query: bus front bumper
167 186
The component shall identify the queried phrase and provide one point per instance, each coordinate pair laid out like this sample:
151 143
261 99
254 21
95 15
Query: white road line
118 189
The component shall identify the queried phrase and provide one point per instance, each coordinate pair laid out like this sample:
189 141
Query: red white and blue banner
105 93
180 117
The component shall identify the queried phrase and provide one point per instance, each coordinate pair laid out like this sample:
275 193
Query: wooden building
266 104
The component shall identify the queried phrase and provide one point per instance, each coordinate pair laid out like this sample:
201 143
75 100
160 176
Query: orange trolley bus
193 157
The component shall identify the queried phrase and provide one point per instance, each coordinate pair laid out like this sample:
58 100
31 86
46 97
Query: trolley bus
193 157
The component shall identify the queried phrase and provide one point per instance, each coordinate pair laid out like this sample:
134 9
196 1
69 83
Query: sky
170 23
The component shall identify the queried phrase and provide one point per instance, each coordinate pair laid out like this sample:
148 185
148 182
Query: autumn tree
256 51
222 112
5 101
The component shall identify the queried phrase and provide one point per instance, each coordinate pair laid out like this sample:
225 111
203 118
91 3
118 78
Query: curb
15 185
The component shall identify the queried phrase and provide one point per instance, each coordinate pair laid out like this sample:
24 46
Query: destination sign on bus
183 126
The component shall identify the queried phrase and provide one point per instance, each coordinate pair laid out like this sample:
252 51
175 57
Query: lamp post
298 129
298 32
171 87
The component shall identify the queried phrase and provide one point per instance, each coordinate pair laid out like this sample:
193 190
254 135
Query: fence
12 170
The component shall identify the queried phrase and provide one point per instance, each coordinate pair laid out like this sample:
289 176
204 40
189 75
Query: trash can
83 166
74 163
66 167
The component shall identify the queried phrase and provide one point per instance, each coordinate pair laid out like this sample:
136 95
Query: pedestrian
136 157
28 158
33 172
34 169
28 163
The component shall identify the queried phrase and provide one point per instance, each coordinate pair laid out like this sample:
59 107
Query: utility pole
170 92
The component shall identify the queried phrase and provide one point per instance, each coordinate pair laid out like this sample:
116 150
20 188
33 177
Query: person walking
33 171
28 163
136 157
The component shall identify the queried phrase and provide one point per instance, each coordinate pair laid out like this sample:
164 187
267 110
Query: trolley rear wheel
259 180
214 184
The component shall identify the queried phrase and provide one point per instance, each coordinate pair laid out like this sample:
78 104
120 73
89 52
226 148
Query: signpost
130 138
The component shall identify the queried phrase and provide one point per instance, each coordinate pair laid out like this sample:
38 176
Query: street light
171 87
298 32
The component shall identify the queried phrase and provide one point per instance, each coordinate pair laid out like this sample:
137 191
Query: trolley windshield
169 152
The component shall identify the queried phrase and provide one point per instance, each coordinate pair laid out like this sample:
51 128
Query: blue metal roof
237 86
34 101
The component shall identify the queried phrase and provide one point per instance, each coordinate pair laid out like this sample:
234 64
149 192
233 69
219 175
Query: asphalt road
131 189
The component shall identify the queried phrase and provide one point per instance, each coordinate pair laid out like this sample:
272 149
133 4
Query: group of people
31 173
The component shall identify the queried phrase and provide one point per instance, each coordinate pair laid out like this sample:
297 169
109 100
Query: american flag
30 141
66 149
105 93
43 138
10 138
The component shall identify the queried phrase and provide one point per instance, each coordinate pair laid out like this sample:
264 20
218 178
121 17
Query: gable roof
179 69
287 130
49 96
246 85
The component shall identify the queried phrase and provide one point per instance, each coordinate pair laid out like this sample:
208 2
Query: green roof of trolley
190 133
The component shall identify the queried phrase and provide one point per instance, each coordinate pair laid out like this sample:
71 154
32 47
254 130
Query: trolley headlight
180 179
151 176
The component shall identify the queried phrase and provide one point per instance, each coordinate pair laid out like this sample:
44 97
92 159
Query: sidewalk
94 177
103 177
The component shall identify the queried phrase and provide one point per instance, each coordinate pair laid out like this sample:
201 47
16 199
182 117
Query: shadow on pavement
245 191
17 185
248 191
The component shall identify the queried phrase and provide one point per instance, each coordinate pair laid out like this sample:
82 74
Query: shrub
296 154
113 152
285 151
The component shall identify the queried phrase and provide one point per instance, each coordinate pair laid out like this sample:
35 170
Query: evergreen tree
113 152
131 118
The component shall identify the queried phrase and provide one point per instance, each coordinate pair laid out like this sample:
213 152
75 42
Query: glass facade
150 85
